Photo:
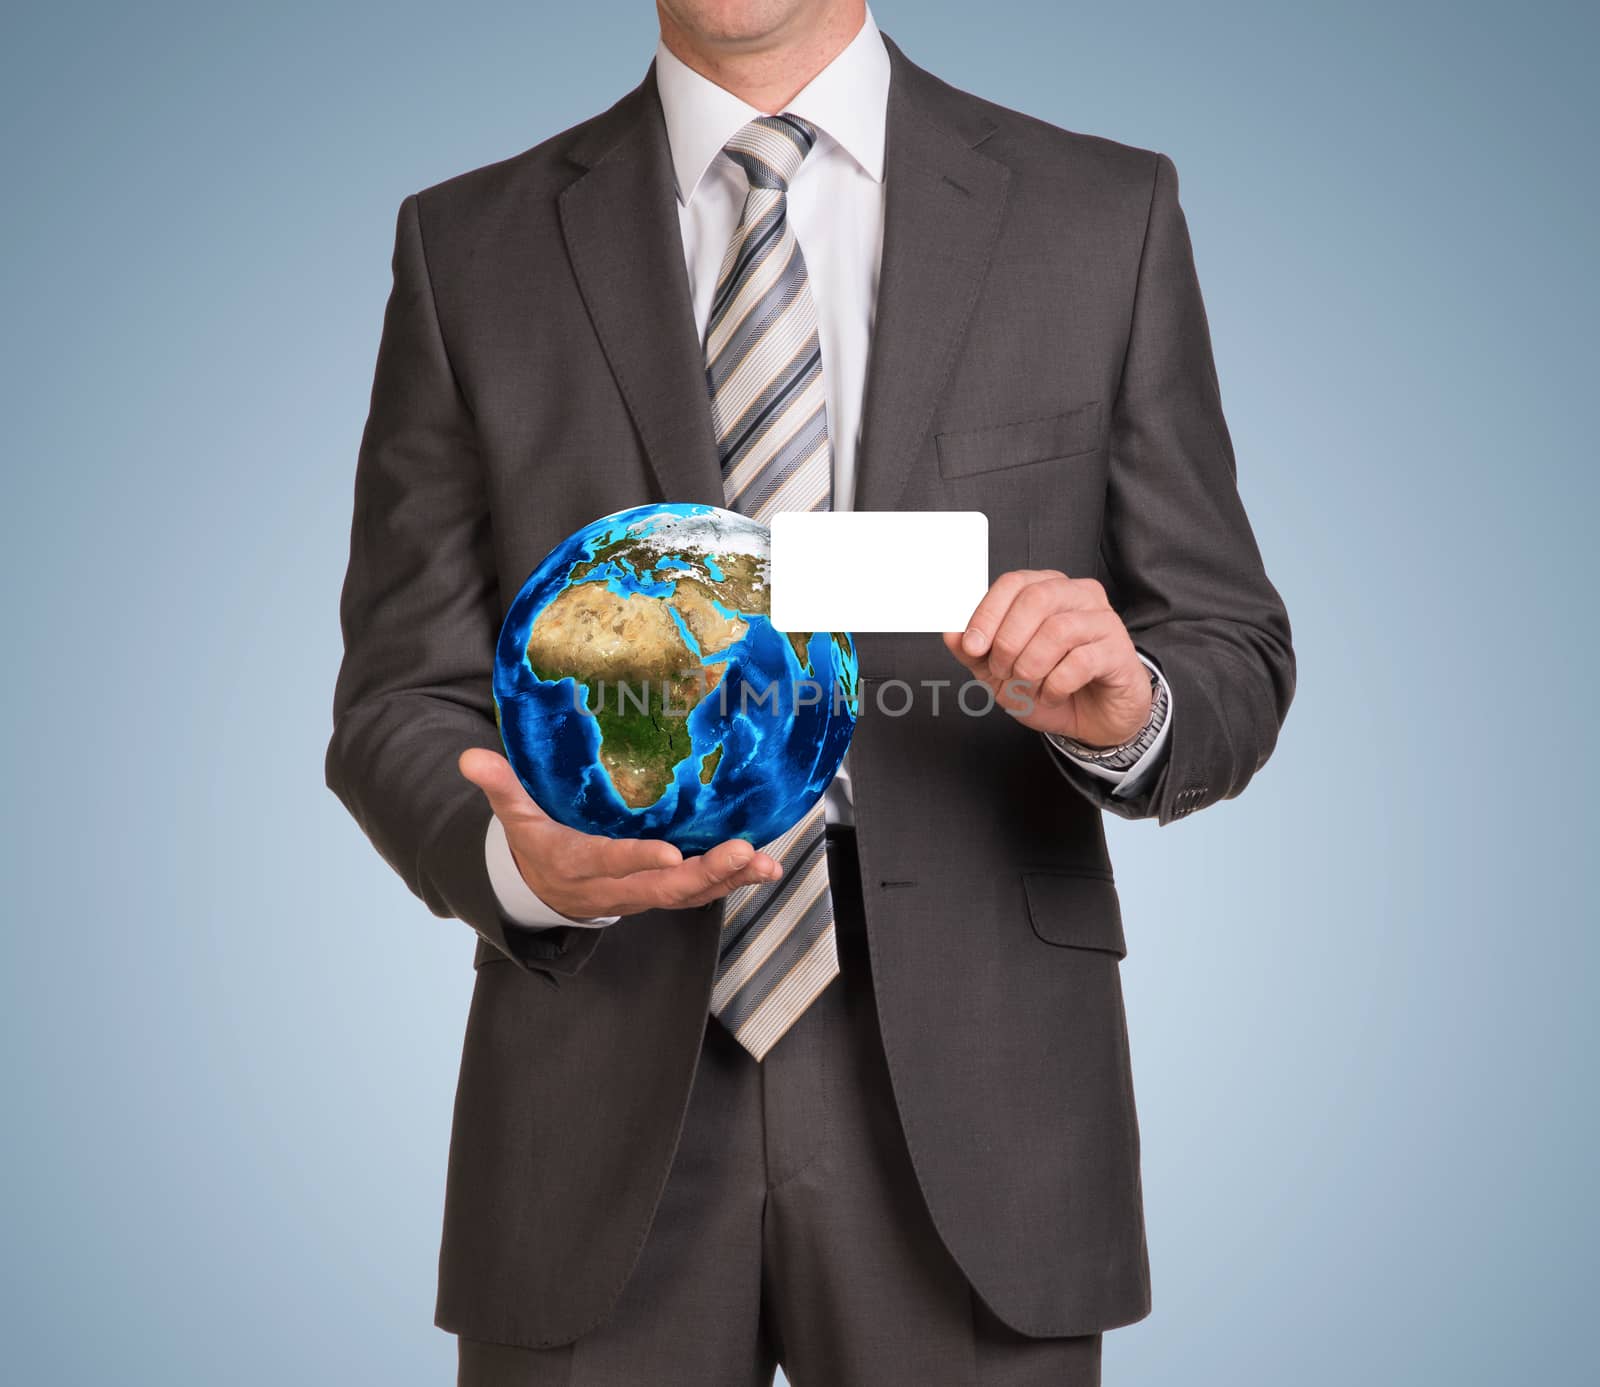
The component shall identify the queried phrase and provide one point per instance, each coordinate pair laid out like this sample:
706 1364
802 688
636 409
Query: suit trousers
792 1231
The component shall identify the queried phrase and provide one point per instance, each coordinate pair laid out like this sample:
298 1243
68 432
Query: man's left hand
1057 657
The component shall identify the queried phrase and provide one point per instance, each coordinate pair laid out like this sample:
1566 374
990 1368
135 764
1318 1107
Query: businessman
858 1101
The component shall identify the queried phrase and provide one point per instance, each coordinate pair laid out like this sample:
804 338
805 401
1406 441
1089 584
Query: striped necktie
764 369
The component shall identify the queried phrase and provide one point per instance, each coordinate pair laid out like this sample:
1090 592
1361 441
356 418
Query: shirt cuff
520 902
1128 780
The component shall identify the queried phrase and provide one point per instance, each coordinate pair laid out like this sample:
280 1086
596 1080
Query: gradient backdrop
1361 996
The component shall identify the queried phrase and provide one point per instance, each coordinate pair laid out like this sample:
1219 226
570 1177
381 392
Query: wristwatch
1125 754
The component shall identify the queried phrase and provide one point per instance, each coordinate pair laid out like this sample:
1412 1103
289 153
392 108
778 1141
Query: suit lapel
620 222
944 201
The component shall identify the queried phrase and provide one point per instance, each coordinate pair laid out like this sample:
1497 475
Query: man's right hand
585 875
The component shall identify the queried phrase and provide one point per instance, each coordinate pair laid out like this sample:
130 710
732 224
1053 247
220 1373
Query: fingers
973 644
976 665
593 856
1045 600
1056 636
750 876
698 880
586 874
1026 696
1039 639
680 885
1011 613
727 865
492 774
1082 665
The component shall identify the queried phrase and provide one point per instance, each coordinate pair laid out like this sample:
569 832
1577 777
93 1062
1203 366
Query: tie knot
771 149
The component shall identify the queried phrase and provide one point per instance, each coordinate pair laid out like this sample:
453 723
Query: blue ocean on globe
643 692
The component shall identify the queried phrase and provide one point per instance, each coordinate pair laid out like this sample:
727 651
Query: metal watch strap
1121 757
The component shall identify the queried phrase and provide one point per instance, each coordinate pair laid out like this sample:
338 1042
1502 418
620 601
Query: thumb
492 774
975 664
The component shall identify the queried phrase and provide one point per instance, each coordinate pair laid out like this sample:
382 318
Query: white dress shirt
835 206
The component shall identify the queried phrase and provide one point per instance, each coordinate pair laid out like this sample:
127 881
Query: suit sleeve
420 614
1180 562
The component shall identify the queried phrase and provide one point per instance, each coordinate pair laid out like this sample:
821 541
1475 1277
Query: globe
642 691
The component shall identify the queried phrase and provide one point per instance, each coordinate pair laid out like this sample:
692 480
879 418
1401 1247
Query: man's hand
1057 657
584 875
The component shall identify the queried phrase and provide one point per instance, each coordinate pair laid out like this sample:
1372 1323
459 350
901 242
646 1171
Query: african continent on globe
642 691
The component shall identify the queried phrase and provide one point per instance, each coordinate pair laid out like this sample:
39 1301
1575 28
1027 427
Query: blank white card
878 570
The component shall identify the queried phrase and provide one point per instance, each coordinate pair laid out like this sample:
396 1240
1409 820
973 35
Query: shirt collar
848 101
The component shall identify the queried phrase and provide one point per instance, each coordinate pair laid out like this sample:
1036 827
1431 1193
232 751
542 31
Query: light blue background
1361 996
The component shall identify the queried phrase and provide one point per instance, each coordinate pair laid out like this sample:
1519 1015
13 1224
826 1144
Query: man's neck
767 72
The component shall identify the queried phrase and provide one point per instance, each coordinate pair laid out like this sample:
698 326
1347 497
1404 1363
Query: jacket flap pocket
967 451
1076 909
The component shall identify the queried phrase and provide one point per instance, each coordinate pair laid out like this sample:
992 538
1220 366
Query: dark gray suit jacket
1041 353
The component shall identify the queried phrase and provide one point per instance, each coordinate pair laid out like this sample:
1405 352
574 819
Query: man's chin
736 24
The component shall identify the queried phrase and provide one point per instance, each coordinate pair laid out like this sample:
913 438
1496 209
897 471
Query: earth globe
642 691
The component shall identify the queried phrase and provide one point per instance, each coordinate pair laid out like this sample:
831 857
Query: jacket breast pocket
1076 909
966 452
